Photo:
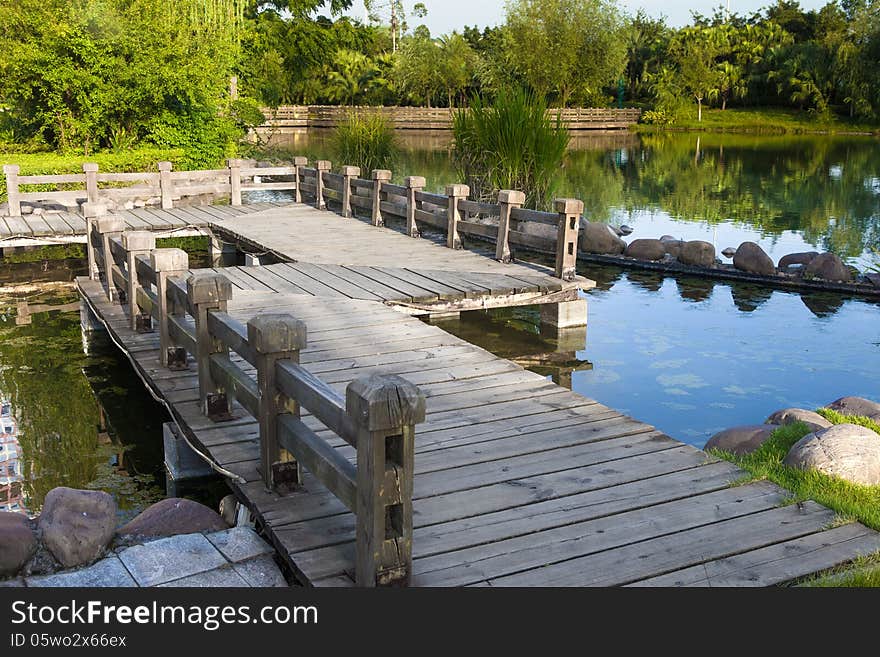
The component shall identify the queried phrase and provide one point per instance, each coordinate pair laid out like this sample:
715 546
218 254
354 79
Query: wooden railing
164 185
432 118
505 222
377 415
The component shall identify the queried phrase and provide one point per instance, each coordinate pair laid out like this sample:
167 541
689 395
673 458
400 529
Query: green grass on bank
764 121
53 252
49 163
852 502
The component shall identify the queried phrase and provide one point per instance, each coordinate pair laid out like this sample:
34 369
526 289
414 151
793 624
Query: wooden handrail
377 415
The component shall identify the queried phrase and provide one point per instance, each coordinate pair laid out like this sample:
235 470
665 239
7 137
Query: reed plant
510 143
366 141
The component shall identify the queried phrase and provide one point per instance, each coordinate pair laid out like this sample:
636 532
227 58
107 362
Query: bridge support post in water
348 174
275 338
167 263
379 176
508 199
565 314
453 216
181 461
207 291
221 252
136 243
385 410
413 185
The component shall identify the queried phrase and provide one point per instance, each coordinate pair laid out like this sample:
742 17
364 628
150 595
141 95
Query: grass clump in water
510 143
855 501
366 141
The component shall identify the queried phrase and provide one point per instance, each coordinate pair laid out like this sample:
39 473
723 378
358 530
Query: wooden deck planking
517 481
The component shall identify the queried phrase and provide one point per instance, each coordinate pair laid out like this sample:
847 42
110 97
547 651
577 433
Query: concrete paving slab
261 572
239 543
220 577
106 572
171 558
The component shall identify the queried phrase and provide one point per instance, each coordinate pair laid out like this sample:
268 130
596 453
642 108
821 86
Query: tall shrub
510 143
366 141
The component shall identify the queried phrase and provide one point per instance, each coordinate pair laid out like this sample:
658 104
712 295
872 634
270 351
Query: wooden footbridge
374 448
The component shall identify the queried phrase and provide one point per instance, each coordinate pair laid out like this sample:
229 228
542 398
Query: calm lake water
689 356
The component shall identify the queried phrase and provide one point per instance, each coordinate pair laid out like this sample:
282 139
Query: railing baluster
208 291
91 212
275 338
166 185
169 263
508 199
234 166
109 227
298 163
455 194
321 166
413 184
11 172
569 210
136 243
379 176
348 174
91 171
385 410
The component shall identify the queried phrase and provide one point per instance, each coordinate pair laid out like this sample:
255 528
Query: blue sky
447 15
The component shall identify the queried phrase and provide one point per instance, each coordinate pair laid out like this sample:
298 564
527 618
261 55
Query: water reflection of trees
826 188
62 432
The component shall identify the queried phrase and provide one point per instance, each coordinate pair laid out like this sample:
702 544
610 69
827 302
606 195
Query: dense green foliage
510 143
851 501
366 141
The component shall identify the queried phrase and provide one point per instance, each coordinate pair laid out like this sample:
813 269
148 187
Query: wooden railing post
385 410
166 186
234 181
379 176
508 199
299 162
321 167
455 194
413 184
275 338
11 172
348 174
208 291
167 263
109 227
91 171
91 212
570 210
136 243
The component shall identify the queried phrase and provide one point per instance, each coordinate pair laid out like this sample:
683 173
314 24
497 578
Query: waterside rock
17 542
599 238
697 254
171 517
847 451
828 267
76 525
813 420
751 258
646 249
741 440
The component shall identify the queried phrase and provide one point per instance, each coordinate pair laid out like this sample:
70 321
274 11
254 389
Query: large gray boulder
76 525
856 406
797 259
171 517
697 254
600 239
17 542
672 245
751 258
741 440
828 267
646 249
813 420
847 451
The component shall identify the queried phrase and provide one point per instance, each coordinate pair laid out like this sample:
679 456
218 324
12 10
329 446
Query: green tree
417 70
458 63
694 51
570 49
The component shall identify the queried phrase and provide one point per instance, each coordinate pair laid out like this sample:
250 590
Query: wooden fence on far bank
434 118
